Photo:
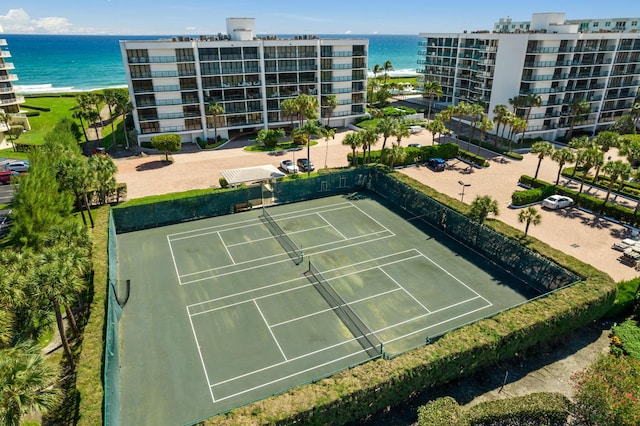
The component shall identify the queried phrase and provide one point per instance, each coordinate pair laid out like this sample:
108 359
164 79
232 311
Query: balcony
7 65
3 42
160 59
5 54
544 50
167 88
164 74
7 90
12 101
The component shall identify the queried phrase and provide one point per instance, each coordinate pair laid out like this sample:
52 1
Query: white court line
290 375
331 225
276 255
454 277
405 290
437 324
173 258
195 336
254 222
270 331
299 278
226 249
366 214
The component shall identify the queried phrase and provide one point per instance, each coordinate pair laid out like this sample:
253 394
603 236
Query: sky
194 17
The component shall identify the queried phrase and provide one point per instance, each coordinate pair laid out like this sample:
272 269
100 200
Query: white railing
5 54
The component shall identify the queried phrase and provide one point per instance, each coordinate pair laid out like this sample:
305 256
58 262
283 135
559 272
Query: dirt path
548 369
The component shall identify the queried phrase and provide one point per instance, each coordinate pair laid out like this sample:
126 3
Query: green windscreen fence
528 266
217 203
111 346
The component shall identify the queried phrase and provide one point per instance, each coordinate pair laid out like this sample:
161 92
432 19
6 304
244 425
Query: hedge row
490 147
412 154
355 393
541 189
550 409
37 108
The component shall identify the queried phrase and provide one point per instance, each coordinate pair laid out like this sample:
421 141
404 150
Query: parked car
415 145
555 202
436 164
287 166
21 166
6 176
305 165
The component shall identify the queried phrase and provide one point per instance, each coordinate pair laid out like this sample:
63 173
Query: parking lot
571 230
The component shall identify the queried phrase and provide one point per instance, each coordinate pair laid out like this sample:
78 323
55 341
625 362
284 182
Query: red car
5 176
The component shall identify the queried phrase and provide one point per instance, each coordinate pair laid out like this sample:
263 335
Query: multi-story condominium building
171 82
9 101
561 61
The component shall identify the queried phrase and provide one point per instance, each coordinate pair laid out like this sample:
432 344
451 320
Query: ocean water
62 63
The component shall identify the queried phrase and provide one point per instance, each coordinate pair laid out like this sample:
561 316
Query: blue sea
62 63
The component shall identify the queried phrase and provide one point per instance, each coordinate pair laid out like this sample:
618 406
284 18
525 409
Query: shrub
167 143
629 334
32 113
442 411
625 298
37 108
607 392
223 182
472 158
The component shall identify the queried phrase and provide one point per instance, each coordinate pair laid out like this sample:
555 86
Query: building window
607 24
634 23
595 24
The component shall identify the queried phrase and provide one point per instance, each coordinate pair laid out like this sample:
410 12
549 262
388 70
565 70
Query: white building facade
9 100
171 82
549 57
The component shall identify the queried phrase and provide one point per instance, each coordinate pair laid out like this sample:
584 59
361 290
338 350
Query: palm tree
354 140
616 170
460 111
93 117
387 127
110 97
401 131
331 134
543 149
27 383
331 102
630 148
476 113
80 116
531 100
517 102
482 207
396 154
372 86
485 125
607 140
499 112
123 108
435 126
431 90
289 108
562 157
386 67
529 216
369 138
578 109
590 158
377 69
215 109
516 125
310 128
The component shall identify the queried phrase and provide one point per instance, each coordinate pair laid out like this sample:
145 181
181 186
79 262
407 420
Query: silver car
288 166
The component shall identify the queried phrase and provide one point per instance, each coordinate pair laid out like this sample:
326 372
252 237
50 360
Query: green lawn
60 106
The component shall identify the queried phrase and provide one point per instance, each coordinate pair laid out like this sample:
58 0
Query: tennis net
287 243
351 320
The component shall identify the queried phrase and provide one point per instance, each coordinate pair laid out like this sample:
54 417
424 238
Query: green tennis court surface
223 313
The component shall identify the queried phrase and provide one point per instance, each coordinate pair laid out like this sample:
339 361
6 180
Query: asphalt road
6 194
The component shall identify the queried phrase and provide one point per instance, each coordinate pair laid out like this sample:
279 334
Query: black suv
305 165
436 164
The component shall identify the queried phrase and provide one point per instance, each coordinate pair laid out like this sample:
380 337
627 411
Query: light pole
463 185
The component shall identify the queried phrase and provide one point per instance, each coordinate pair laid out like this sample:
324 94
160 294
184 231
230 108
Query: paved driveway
580 234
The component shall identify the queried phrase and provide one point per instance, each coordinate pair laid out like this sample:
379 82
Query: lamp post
463 185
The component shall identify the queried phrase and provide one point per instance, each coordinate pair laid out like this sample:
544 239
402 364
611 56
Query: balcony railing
167 88
3 42
5 54
160 59
337 91
7 66
7 90
11 101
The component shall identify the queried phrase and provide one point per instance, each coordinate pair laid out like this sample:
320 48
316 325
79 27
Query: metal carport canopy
251 174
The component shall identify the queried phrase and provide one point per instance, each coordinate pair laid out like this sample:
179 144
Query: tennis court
233 309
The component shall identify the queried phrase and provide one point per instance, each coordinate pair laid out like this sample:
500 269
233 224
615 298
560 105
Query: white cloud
190 28
348 32
18 21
